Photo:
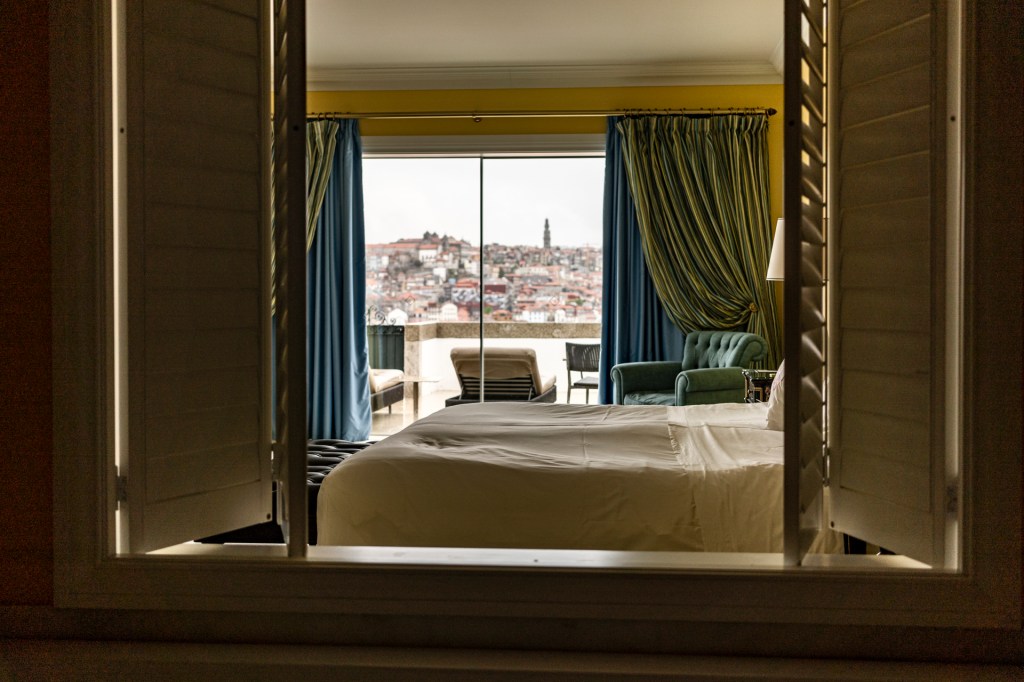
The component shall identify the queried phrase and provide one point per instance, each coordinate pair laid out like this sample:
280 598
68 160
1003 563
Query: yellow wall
557 99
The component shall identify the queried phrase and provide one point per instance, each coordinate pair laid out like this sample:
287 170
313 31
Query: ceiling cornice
574 76
778 58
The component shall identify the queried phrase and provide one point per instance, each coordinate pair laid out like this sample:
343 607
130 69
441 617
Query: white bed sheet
700 478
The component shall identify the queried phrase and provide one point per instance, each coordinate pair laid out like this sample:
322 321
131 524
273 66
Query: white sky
407 197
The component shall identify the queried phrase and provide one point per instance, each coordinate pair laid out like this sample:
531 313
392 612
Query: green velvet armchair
710 372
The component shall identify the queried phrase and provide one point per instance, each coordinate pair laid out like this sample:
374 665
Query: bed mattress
699 478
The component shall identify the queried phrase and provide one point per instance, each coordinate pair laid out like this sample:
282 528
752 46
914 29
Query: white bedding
699 478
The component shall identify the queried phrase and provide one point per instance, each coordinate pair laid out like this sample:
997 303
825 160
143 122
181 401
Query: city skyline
442 195
431 278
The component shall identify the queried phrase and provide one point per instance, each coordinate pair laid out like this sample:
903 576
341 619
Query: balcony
426 355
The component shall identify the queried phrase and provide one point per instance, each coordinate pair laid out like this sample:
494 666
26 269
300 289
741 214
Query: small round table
758 384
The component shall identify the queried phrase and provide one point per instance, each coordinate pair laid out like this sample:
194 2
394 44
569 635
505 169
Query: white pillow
775 400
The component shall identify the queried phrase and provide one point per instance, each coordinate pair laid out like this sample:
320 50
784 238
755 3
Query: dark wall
26 451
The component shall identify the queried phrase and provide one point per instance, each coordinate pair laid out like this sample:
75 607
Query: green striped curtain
321 139
700 185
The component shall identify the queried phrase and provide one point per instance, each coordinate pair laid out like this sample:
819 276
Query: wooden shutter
804 338
290 268
197 457
888 364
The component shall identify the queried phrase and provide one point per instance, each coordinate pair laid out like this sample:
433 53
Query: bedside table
758 384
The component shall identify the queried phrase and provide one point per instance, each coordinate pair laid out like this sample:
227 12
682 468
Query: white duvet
527 475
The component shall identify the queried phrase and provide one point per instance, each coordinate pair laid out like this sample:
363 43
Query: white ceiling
373 44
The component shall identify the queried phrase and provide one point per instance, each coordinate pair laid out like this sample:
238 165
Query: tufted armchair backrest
703 349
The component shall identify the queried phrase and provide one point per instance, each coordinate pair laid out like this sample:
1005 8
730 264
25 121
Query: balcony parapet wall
424 331
428 345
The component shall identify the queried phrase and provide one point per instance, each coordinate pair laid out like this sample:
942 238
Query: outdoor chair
582 358
510 374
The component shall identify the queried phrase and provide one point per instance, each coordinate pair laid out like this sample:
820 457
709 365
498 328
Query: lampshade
776 264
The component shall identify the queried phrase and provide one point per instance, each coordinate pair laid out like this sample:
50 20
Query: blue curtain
635 326
337 367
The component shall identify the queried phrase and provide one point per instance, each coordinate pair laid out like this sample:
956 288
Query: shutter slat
888 479
200 349
888 181
210 469
886 310
189 226
888 269
886 53
875 101
904 133
814 179
202 187
869 18
197 269
904 442
889 224
179 144
811 357
170 393
897 395
811 232
889 351
178 101
811 319
200 310
227 28
173 60
191 432
208 513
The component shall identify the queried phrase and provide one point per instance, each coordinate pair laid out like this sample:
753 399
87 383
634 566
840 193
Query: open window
89 570
197 439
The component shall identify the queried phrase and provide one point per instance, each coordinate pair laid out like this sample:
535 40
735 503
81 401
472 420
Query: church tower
547 234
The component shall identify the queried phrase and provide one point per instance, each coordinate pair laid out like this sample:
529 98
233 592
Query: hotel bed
528 475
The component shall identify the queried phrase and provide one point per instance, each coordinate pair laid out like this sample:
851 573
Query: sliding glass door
479 253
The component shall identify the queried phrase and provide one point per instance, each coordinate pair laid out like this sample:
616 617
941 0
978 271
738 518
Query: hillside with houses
438 278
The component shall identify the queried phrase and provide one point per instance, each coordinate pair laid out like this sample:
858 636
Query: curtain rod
478 116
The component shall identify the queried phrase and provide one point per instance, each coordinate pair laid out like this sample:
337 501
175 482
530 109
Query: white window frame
483 147
602 589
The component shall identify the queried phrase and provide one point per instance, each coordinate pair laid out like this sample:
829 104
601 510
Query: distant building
449 313
547 234
501 316
496 286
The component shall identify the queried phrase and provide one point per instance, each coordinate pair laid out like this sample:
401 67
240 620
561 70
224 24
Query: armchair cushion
633 380
710 385
667 398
